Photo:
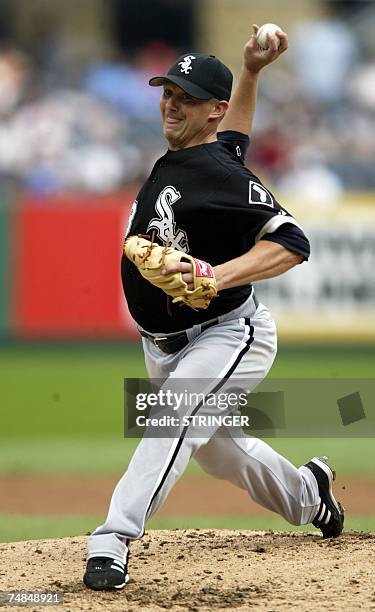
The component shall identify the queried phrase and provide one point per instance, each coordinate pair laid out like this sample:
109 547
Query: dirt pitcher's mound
204 570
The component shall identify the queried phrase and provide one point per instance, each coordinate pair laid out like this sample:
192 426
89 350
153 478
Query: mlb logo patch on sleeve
259 195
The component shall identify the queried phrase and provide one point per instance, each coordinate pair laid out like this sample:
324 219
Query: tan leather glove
151 259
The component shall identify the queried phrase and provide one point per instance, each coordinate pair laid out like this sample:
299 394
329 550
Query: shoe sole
115 587
121 586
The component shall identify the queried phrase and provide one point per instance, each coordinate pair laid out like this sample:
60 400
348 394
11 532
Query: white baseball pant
240 349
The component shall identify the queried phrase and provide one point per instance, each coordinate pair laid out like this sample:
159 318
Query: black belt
175 343
172 344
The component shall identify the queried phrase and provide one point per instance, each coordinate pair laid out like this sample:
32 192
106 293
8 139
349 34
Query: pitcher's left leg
158 462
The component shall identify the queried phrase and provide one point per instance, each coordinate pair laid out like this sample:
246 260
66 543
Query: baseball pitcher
202 229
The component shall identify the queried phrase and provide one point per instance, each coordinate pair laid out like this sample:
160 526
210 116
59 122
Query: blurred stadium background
79 131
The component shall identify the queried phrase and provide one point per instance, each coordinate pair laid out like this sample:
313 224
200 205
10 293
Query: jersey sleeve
246 211
292 238
236 143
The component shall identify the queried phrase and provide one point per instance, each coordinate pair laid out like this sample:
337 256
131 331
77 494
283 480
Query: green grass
65 391
48 391
62 412
18 528
356 523
111 455
62 406
67 455
15 528
324 362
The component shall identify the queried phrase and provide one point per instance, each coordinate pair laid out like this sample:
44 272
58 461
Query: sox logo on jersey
165 224
186 64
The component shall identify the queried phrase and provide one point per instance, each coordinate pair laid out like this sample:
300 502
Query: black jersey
205 202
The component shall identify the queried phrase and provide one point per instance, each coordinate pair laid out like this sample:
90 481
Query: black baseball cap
200 75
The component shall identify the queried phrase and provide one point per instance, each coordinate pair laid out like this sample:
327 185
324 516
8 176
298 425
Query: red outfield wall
67 254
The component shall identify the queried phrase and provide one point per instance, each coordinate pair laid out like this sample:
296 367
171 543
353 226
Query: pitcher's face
185 119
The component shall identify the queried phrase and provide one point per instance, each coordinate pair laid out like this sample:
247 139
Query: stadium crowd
96 127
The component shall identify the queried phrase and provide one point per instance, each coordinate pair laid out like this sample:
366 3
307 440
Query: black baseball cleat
330 516
105 574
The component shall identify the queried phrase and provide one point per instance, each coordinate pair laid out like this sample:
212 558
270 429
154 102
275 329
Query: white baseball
267 28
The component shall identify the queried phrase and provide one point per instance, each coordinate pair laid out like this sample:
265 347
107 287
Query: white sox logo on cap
186 64
200 75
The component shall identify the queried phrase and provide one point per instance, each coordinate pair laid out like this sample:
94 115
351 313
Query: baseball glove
151 259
